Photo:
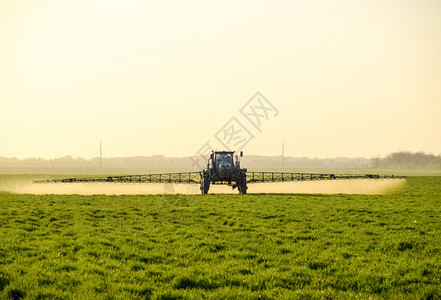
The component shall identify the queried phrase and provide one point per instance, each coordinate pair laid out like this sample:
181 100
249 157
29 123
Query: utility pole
101 154
283 155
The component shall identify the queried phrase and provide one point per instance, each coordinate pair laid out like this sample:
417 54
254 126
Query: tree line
409 161
397 160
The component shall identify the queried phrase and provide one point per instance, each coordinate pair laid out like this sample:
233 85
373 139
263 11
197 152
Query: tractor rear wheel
243 184
205 184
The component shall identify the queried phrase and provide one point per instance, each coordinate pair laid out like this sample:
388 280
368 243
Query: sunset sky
344 78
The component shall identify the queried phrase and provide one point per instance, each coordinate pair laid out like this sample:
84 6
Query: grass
223 246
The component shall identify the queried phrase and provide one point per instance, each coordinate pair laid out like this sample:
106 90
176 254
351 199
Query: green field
223 246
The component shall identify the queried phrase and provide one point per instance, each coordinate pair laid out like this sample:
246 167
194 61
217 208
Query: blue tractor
223 169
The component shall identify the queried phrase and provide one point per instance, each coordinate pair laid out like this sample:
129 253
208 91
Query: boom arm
195 177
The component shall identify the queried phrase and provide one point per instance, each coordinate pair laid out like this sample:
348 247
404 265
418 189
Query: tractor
222 169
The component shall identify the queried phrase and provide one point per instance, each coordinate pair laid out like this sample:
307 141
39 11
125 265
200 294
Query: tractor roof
223 151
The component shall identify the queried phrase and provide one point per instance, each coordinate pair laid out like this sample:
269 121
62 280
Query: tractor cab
223 165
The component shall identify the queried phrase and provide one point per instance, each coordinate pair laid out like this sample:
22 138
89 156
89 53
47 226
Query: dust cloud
350 186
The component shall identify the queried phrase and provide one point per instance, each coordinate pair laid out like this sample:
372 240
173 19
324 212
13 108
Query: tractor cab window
224 160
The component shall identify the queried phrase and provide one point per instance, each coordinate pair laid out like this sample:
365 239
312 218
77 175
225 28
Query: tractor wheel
205 184
243 184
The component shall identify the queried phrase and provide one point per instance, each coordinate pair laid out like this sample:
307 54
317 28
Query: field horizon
402 160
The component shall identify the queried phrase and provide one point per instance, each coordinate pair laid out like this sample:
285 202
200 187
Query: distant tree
410 160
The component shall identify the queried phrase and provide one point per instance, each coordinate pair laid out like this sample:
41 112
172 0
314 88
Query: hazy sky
348 78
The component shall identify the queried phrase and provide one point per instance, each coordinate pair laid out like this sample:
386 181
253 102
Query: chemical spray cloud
235 134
